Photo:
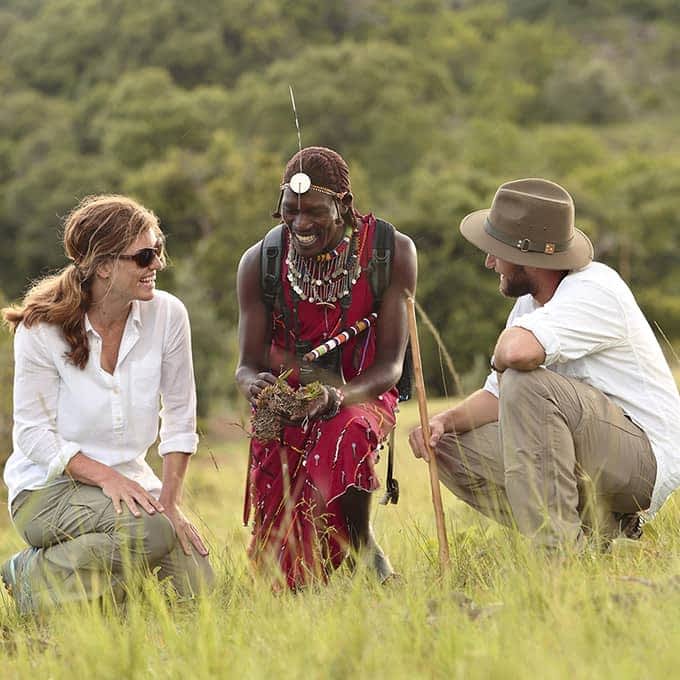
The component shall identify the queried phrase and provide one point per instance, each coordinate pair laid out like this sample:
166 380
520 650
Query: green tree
591 92
49 176
145 115
384 123
510 76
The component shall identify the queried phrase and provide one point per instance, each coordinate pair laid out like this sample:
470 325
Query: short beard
518 283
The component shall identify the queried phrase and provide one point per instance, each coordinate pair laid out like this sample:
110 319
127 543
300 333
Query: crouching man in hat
576 430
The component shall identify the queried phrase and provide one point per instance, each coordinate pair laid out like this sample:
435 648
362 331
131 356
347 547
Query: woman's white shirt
60 410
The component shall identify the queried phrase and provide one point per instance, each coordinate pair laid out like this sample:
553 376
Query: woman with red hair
97 350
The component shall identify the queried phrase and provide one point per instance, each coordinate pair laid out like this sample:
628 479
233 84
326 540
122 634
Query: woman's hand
187 534
120 490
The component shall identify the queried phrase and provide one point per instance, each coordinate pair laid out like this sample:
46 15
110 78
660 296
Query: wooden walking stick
444 559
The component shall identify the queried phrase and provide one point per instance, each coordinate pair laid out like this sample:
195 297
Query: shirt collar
136 312
135 315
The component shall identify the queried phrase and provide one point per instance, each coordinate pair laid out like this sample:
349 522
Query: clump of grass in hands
279 401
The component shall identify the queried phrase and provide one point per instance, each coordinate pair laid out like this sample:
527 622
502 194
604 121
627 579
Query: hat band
526 245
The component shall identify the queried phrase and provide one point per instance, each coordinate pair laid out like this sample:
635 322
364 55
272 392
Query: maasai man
311 488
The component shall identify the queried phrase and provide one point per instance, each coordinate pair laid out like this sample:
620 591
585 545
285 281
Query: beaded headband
300 183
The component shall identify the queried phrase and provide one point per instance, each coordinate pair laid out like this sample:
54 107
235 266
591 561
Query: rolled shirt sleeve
582 318
178 388
491 384
522 306
36 392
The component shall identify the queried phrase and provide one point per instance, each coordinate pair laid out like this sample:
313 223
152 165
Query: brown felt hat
530 223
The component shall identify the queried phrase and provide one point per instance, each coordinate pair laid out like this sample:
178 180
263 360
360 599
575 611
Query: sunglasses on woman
144 257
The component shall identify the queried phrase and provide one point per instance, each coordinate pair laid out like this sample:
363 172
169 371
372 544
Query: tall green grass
502 611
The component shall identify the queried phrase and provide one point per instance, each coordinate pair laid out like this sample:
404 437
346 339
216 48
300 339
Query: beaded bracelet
336 397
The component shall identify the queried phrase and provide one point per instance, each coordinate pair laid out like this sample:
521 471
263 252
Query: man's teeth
148 279
305 240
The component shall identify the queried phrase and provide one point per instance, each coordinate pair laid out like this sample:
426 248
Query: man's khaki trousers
561 461
87 549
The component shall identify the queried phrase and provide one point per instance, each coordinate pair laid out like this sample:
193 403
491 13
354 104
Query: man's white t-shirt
592 330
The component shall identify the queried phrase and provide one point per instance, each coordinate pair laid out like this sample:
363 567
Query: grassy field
502 611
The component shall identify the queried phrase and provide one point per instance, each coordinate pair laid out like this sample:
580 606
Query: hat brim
579 253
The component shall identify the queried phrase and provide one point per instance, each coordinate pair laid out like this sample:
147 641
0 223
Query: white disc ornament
300 183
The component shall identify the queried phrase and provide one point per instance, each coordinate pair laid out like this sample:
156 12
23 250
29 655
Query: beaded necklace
328 277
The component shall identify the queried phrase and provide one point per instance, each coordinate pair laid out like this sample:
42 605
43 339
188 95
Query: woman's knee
161 533
151 534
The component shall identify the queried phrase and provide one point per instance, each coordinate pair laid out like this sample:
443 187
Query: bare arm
480 408
252 372
174 470
518 348
391 329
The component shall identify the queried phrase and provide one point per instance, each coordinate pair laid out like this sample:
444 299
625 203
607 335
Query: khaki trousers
561 461
87 549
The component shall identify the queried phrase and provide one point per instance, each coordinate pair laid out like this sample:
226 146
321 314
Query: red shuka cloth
296 483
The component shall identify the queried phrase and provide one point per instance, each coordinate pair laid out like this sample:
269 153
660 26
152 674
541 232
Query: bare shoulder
248 274
250 259
404 248
405 262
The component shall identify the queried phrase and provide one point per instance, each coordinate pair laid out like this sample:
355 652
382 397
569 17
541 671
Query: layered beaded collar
328 277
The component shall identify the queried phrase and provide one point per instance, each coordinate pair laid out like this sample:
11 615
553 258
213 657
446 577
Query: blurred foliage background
432 102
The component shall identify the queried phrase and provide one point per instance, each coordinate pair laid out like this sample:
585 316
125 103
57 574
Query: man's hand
417 441
187 534
120 490
327 404
320 405
261 381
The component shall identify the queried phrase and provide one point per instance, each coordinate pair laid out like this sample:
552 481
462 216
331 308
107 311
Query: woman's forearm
175 466
89 471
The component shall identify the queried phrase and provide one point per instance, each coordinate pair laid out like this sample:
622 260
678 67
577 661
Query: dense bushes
433 103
